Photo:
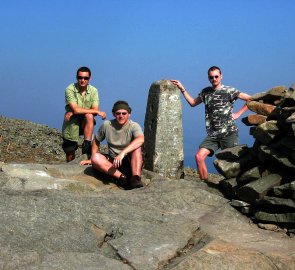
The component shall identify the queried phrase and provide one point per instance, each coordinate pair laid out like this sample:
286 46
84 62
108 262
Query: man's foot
121 181
134 182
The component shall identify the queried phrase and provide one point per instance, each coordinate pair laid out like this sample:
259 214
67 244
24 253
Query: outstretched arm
190 100
245 97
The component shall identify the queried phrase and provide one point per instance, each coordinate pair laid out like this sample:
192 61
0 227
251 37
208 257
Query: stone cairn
163 147
260 179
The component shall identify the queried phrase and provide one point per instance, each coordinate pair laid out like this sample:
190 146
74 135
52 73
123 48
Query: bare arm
136 143
95 146
245 97
191 101
75 109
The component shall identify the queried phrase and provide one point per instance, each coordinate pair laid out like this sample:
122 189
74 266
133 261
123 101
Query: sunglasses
119 113
81 78
212 77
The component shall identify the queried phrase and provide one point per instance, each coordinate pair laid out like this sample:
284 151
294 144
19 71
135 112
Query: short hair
214 68
83 69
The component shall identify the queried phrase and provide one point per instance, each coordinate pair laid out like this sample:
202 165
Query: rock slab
93 224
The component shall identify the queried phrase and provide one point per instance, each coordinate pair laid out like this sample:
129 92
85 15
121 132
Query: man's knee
202 154
137 155
97 160
89 117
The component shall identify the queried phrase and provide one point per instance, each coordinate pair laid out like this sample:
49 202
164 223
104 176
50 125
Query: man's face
83 79
215 78
122 116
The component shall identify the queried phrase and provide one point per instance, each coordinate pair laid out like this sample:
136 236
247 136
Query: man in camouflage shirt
221 128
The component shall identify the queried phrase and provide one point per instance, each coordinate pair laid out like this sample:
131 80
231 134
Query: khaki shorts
213 144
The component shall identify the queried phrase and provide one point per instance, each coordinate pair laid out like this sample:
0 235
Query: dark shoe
122 181
134 182
86 148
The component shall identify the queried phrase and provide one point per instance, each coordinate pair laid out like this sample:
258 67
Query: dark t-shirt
218 110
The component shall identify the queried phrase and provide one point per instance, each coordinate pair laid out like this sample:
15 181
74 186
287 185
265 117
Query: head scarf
121 105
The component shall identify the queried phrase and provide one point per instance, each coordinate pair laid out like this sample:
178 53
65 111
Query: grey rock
286 190
276 218
222 255
109 228
276 205
163 150
290 96
266 132
233 153
286 145
254 119
229 187
249 176
270 227
291 118
246 210
237 203
230 169
260 108
270 155
258 188
270 96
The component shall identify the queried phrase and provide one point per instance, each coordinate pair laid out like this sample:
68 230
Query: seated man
82 105
124 138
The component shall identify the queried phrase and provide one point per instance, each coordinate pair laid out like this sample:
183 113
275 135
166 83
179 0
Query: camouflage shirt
218 110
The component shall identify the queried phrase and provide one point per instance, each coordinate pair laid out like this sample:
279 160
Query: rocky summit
66 216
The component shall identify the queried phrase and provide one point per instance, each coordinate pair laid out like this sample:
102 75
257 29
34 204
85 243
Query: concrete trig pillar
163 147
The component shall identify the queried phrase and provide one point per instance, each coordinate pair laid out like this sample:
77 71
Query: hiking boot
86 148
134 182
121 181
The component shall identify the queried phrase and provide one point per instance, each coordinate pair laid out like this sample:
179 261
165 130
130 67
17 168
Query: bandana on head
121 105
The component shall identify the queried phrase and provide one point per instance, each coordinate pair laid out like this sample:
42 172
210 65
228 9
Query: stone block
233 153
277 218
163 148
272 156
267 132
249 176
286 190
230 169
229 187
260 108
254 119
274 202
271 96
259 188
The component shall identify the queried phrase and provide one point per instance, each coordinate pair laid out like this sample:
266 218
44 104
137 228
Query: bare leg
200 160
88 126
70 156
136 162
102 164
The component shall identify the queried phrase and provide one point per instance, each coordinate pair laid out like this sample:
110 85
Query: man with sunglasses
124 139
222 131
82 105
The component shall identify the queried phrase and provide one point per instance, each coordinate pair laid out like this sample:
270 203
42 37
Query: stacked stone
260 179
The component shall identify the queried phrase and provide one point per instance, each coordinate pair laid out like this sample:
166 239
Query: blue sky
129 44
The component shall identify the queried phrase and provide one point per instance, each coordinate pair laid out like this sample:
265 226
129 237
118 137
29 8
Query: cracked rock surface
66 216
